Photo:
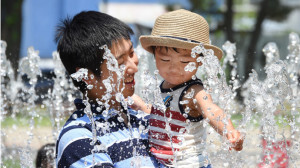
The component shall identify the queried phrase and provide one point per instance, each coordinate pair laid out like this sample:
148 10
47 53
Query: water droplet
98 109
184 102
187 110
82 73
181 130
130 101
190 94
74 116
120 119
226 164
90 87
190 67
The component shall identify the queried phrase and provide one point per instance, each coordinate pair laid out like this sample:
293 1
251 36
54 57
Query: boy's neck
167 85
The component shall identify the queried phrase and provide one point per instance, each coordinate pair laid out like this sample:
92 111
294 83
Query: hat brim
148 41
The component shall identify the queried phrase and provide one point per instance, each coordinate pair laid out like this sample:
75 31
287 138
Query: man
103 131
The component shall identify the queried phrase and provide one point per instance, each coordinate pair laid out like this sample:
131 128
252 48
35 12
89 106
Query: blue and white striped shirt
119 145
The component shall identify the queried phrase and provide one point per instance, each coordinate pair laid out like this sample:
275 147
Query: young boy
89 138
177 136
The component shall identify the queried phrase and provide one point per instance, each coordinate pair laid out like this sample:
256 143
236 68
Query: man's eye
185 62
165 60
121 61
131 54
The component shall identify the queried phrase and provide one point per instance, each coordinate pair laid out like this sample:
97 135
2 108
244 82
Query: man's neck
117 106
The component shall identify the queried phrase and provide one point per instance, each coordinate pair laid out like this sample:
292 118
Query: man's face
124 53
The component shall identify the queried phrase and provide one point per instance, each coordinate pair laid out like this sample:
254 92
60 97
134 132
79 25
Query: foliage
277 11
11 28
203 5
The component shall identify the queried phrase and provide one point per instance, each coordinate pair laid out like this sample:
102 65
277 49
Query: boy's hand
236 140
139 104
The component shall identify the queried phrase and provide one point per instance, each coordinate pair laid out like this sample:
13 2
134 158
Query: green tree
11 19
271 9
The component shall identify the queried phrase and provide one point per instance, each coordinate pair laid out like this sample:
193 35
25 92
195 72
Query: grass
24 121
282 121
22 118
9 163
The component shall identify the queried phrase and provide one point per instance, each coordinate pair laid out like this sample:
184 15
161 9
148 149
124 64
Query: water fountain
268 116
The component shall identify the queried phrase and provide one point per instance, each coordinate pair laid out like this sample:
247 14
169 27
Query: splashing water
61 98
29 66
265 97
269 111
82 73
5 71
230 50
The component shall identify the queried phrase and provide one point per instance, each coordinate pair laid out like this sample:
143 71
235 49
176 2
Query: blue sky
40 18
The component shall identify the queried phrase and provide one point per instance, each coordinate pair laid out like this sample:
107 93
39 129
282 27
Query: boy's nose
132 65
173 67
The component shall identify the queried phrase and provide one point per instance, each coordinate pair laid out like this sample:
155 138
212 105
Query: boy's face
125 55
171 64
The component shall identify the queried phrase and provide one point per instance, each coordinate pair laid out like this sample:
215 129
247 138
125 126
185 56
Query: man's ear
87 77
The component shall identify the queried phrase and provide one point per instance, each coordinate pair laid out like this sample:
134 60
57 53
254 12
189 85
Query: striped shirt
116 145
176 138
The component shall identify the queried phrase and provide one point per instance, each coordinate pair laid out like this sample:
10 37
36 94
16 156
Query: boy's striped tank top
175 137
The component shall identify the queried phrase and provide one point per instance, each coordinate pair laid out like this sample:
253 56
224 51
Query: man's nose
132 64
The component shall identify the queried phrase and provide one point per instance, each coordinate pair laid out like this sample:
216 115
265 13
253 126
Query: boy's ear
199 63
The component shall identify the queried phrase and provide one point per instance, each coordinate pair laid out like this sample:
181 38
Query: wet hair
46 157
80 37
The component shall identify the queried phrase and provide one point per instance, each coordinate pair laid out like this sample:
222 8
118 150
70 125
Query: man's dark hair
80 38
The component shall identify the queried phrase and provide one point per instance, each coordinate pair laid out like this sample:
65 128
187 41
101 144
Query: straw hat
180 29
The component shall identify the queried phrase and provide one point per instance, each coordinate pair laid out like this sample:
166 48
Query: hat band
180 38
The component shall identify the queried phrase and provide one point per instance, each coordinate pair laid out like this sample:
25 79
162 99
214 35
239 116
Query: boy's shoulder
194 88
190 97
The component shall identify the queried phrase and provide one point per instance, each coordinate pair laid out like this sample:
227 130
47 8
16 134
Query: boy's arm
139 104
217 118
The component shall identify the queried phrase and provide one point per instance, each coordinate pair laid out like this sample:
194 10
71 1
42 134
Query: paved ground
15 141
19 137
